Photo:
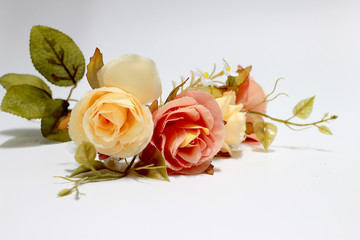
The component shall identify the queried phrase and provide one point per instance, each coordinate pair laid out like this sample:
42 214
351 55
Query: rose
189 131
114 121
235 121
134 74
251 94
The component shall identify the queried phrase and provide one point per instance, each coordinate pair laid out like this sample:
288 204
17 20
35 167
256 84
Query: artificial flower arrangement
122 126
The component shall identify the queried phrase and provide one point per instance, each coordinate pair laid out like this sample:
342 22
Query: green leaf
58 111
152 156
304 108
154 106
265 132
174 92
13 79
238 80
96 62
65 192
325 130
85 154
98 165
56 56
216 92
26 101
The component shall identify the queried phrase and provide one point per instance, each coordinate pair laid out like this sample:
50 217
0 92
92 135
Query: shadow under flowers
26 137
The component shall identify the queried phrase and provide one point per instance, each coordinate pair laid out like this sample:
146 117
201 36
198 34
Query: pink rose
250 94
189 131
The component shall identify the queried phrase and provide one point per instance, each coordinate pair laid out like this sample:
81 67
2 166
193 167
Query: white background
307 187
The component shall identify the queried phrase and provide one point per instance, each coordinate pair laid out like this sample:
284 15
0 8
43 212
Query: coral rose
114 121
189 131
134 74
235 121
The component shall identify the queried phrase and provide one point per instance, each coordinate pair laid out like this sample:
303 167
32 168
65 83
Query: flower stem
71 91
94 170
287 122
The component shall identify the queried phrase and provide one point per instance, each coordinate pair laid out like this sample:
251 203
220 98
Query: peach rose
134 74
114 121
250 94
235 125
189 131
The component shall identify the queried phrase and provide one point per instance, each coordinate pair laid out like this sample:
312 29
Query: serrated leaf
238 80
26 101
13 79
85 154
58 111
96 62
56 56
324 129
265 132
304 108
152 155
98 165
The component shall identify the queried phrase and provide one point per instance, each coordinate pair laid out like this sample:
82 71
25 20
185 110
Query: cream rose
134 74
114 121
235 121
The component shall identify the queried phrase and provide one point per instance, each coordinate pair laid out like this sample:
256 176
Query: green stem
71 91
218 75
94 170
98 177
286 122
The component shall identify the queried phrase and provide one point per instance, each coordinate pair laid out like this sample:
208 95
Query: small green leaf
85 154
26 101
325 130
304 108
56 56
98 165
154 106
230 81
65 192
57 110
13 79
265 132
216 92
174 92
238 80
325 115
152 156
96 62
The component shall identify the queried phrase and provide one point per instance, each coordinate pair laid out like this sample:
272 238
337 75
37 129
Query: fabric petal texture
189 131
114 121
